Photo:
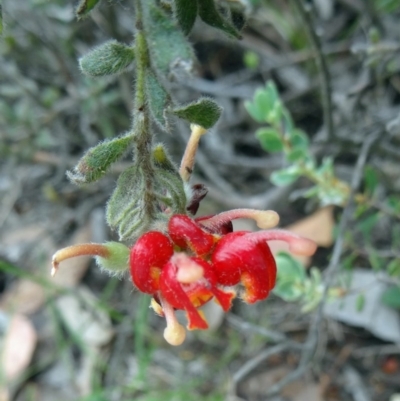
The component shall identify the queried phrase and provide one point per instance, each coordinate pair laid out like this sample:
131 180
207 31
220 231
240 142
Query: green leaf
270 139
255 112
251 59
391 297
296 155
209 14
288 291
126 210
109 58
85 6
371 180
285 176
97 160
266 105
393 268
289 269
166 42
326 168
313 191
367 224
185 12
158 100
299 140
264 100
204 112
168 177
360 302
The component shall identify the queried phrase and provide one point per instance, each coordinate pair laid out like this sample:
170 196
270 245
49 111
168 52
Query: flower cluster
196 260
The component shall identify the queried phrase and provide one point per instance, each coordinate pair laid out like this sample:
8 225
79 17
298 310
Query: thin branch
252 363
321 61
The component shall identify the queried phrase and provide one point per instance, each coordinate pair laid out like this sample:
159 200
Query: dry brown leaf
25 296
318 227
308 392
84 318
4 394
18 347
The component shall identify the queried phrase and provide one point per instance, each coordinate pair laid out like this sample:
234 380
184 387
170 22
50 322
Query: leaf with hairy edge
167 44
167 176
95 163
85 6
209 14
158 100
204 112
126 209
109 58
185 12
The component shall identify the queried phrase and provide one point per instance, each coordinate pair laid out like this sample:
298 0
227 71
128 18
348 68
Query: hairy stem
141 114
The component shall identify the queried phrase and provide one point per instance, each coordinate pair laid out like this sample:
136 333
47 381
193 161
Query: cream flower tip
156 307
303 247
188 270
53 270
266 218
175 335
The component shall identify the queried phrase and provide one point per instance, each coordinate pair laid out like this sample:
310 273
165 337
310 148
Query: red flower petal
238 258
150 253
175 295
185 233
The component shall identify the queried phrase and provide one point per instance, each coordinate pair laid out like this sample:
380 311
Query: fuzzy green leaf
109 58
85 6
185 12
285 176
158 100
204 112
97 160
209 14
270 139
167 44
126 209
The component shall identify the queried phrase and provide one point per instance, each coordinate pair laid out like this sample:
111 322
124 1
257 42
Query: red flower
197 260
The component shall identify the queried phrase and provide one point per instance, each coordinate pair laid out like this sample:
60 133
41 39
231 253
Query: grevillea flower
189 261
197 260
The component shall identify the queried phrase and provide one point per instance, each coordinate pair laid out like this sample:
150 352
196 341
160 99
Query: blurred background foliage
92 337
